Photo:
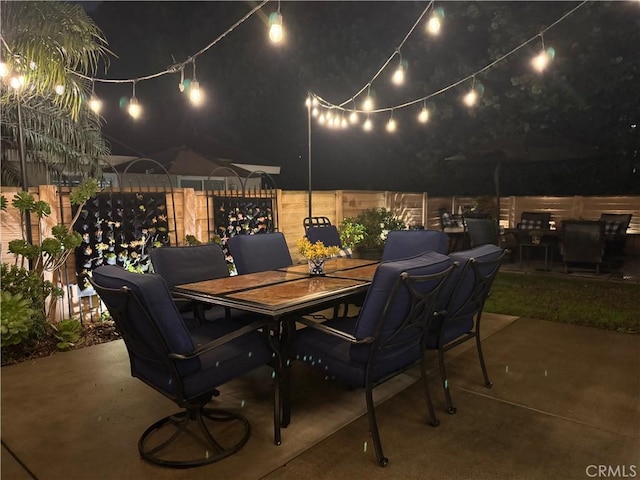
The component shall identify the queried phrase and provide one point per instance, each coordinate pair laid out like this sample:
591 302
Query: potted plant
316 254
377 224
351 232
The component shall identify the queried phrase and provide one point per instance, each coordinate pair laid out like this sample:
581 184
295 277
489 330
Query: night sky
256 91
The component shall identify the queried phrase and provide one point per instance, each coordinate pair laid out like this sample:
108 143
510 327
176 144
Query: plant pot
316 266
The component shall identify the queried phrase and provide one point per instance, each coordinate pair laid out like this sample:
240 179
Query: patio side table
547 247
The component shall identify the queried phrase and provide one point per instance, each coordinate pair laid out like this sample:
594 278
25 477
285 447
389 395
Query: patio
564 398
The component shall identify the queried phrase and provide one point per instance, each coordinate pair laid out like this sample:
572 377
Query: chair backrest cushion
464 297
408 243
582 241
531 220
189 264
482 231
328 235
384 281
154 297
260 252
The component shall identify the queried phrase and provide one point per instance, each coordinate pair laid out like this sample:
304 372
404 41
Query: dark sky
255 91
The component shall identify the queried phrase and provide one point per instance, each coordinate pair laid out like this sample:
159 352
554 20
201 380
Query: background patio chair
582 241
187 264
408 243
463 303
385 338
482 231
260 252
615 232
531 220
186 366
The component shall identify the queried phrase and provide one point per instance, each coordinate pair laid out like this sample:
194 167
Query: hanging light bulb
367 126
134 108
541 61
307 102
344 123
367 105
181 84
321 119
399 74
276 32
315 102
423 116
59 89
434 24
314 111
471 97
17 82
95 103
391 124
195 94
353 117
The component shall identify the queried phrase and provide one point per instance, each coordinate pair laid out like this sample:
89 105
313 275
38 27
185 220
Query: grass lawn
593 303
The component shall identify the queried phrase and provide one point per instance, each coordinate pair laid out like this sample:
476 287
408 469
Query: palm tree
49 53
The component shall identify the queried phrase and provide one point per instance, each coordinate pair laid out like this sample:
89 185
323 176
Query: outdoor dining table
289 290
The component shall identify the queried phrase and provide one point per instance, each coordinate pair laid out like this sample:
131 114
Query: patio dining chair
186 366
463 304
615 232
260 252
385 338
408 243
482 231
187 264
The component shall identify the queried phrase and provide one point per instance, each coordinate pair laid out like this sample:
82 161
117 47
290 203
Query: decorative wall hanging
120 229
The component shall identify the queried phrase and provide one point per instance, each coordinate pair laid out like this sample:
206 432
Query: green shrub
378 223
16 318
351 232
67 332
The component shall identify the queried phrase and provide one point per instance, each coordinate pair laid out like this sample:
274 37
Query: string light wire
329 104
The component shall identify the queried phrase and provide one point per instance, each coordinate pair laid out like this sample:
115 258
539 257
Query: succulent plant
16 318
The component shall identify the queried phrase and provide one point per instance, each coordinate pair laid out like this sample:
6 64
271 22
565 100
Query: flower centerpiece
316 254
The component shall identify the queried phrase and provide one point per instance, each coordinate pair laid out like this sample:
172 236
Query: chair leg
445 383
483 366
433 421
373 427
214 450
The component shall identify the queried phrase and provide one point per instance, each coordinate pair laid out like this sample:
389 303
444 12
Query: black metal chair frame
315 222
475 303
194 408
422 305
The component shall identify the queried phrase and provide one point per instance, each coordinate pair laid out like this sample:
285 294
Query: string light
134 107
367 105
471 97
434 24
195 94
391 124
95 103
17 82
314 111
181 84
59 89
423 116
398 75
276 31
541 61
367 126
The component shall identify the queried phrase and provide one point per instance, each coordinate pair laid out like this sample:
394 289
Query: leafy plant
351 232
16 318
378 223
315 251
67 332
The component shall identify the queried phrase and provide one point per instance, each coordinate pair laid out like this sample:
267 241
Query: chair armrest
334 331
220 341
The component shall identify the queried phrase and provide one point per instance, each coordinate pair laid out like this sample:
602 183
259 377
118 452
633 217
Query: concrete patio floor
565 400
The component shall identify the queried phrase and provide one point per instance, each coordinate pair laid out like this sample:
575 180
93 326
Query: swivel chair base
171 445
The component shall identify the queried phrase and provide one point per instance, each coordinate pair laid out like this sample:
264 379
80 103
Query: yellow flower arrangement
315 251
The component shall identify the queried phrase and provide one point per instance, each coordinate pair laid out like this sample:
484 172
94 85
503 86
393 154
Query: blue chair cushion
456 295
260 252
328 235
189 264
408 243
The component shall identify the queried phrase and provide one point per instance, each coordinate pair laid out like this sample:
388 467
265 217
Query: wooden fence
192 217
